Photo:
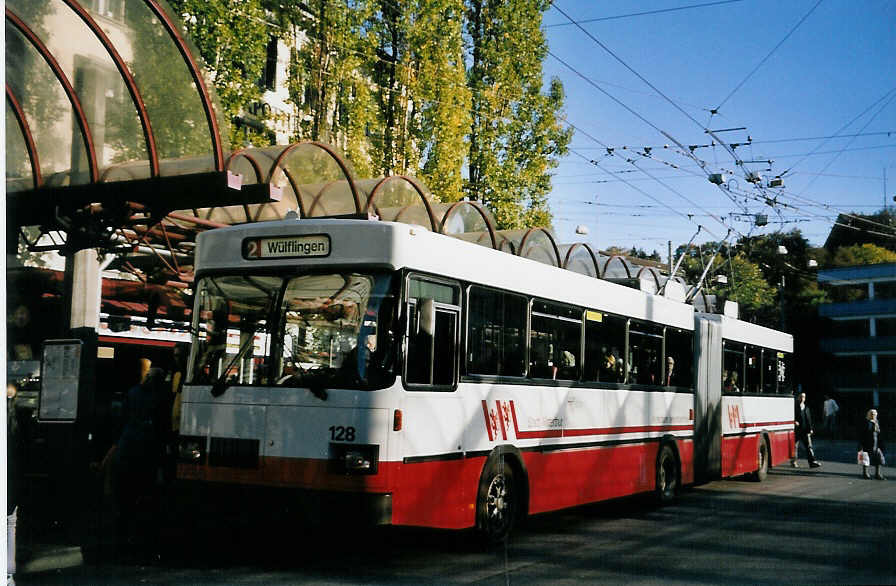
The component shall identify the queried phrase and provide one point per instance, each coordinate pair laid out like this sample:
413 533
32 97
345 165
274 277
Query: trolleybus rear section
433 382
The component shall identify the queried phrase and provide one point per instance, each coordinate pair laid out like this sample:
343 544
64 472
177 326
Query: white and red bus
433 382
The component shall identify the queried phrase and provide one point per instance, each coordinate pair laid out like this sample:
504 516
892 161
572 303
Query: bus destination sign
286 247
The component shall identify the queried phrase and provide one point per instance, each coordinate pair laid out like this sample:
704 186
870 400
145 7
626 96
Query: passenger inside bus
671 375
611 366
730 383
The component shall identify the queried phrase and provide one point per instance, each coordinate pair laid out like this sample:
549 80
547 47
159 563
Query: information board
60 375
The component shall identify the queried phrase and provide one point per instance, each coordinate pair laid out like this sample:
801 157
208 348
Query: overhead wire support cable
770 53
644 13
837 155
842 128
627 66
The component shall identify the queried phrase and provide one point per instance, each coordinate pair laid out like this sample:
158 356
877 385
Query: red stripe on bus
136 341
618 430
758 423
443 493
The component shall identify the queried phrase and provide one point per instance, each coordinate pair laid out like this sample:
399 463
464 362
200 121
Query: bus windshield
313 330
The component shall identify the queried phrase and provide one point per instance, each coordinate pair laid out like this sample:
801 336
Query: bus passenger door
433 415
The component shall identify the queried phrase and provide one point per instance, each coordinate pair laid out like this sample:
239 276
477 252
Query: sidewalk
833 450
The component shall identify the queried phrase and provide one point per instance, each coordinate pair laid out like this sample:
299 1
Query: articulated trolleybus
416 379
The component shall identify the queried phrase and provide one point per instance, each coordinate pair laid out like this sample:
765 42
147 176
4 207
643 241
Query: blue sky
838 63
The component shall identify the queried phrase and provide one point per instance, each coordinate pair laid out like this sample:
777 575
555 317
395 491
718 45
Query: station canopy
114 142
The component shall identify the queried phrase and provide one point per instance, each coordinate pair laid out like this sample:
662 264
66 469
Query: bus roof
339 244
747 333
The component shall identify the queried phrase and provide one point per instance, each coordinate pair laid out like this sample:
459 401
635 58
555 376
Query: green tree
441 96
232 39
862 254
515 134
329 80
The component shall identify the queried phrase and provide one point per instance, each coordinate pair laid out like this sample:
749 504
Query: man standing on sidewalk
831 408
802 418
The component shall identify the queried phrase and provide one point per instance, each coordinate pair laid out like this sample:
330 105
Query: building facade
862 332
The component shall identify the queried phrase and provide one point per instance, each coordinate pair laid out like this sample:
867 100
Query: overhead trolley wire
627 66
837 155
644 13
842 128
770 53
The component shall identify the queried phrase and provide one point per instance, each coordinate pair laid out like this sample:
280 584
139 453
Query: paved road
799 526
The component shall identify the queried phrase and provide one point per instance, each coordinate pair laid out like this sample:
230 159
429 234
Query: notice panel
286 247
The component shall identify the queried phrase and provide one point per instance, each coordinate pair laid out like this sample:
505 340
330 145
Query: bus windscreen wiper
220 385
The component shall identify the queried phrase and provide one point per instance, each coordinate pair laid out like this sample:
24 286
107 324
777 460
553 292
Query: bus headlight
354 459
191 449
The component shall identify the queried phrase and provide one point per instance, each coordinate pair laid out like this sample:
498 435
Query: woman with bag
872 445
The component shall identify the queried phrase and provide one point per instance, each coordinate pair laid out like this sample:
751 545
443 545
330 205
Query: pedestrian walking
872 444
136 458
802 418
831 410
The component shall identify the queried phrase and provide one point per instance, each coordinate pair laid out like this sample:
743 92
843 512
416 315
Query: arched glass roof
103 92
104 96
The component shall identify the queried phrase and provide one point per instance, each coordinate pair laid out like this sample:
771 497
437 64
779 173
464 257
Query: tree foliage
421 87
515 135
232 38
862 254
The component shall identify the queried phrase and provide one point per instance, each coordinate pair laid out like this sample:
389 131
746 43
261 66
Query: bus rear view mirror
426 317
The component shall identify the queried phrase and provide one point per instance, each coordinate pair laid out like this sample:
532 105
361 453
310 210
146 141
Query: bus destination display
286 247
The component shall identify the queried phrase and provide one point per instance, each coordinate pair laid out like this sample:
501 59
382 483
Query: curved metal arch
316 202
590 253
190 61
246 155
335 156
624 264
531 231
476 206
295 191
653 273
67 87
417 187
506 242
29 138
129 82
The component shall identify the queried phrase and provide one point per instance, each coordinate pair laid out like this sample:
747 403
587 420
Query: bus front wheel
497 503
667 476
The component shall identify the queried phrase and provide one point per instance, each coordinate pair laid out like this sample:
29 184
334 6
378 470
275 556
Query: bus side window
604 345
497 333
769 371
432 336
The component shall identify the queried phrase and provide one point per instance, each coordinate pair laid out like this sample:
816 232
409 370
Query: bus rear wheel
763 461
497 503
668 479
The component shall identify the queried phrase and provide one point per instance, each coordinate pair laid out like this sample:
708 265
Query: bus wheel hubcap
497 500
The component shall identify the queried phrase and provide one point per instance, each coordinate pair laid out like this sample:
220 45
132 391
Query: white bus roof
372 244
747 333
